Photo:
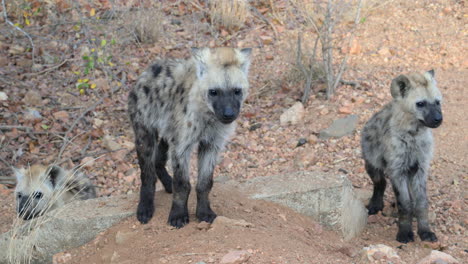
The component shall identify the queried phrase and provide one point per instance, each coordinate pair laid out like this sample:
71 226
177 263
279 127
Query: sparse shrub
146 24
230 14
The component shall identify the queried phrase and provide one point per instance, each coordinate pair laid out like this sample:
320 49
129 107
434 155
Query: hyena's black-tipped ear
400 86
54 173
431 72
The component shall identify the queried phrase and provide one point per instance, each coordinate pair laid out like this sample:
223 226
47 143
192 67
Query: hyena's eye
212 92
37 195
237 91
20 195
421 104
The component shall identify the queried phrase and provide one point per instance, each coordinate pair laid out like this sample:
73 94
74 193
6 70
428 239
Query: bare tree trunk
327 48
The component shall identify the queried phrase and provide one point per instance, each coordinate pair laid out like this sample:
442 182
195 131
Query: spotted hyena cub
397 143
177 105
40 189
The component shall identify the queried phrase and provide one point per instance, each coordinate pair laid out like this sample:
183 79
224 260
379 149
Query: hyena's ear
19 174
200 65
400 86
53 174
245 53
431 72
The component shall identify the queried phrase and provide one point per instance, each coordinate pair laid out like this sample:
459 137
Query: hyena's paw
427 236
178 217
374 208
405 236
145 211
206 215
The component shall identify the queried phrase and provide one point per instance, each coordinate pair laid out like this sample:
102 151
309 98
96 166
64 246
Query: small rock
301 142
236 257
62 115
23 62
355 47
33 98
304 159
267 40
379 252
31 114
340 127
384 52
345 110
3 96
102 83
312 139
16 49
98 122
293 115
122 237
203 225
269 57
110 144
255 126
438 257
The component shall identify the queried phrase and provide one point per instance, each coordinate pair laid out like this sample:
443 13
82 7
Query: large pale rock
438 257
328 198
379 254
293 115
65 228
340 127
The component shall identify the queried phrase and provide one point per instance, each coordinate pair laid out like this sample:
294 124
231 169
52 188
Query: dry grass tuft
146 24
230 14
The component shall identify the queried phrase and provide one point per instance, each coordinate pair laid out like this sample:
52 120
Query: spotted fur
177 105
397 143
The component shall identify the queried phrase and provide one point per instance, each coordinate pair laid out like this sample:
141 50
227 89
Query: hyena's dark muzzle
226 108
27 208
432 115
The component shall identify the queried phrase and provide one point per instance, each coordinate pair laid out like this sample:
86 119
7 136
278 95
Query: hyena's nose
228 113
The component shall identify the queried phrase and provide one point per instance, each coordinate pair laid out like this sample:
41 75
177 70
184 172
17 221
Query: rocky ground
35 122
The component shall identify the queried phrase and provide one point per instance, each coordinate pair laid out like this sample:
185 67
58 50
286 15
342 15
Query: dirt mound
262 231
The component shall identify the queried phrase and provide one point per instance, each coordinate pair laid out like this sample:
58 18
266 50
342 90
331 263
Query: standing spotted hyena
397 143
177 104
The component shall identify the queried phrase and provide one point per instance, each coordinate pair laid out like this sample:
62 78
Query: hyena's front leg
418 189
146 146
207 157
178 217
405 215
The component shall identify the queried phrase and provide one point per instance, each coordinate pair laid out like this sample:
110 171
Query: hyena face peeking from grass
40 189
397 143
177 105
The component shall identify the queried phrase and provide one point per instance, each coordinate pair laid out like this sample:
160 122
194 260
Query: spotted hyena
397 143
177 105
40 189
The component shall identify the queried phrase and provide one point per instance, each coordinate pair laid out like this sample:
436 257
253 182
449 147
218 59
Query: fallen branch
3 128
48 69
5 15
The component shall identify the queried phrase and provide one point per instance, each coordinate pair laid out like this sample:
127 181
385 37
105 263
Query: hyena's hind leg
160 159
146 147
377 175
418 189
